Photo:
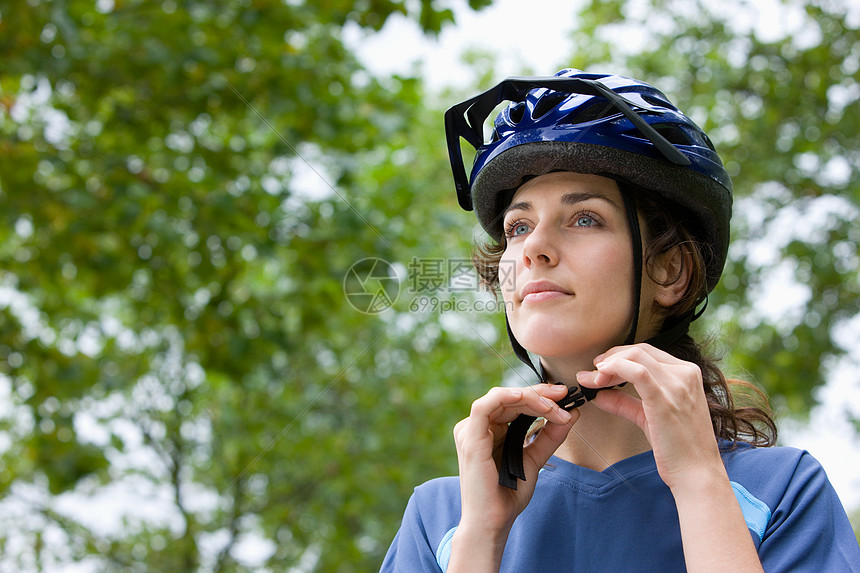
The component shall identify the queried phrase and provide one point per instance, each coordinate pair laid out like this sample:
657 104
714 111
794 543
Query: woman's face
567 271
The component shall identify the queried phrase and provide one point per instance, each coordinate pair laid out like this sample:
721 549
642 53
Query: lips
542 290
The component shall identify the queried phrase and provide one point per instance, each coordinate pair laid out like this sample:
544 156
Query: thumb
546 442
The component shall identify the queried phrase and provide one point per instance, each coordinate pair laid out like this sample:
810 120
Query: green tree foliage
184 185
778 92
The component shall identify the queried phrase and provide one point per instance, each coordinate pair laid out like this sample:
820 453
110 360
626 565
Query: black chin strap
636 241
511 467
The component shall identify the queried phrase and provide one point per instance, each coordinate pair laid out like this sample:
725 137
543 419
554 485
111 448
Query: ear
671 271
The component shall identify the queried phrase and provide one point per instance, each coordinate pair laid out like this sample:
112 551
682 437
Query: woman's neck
598 439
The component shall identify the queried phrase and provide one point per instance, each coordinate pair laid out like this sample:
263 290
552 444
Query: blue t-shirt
624 518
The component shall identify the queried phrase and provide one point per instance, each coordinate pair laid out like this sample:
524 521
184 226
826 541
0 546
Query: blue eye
516 228
585 221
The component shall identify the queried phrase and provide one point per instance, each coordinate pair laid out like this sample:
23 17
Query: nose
540 247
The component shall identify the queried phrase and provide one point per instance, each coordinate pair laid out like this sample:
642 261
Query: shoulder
795 515
435 505
770 475
771 467
423 541
438 494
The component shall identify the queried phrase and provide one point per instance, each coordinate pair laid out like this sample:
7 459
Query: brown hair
666 228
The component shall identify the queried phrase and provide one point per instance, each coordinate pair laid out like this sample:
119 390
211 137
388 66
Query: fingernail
600 365
583 376
599 358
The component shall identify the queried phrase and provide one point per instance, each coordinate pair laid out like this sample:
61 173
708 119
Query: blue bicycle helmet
597 124
590 123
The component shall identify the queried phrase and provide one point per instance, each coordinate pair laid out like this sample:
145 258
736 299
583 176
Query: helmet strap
511 464
636 240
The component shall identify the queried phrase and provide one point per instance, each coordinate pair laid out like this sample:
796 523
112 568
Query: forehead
565 187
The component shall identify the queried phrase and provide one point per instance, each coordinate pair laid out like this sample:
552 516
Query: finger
478 438
640 349
607 371
590 379
653 382
651 377
553 393
623 405
466 428
623 348
605 377
503 405
548 441
623 368
639 364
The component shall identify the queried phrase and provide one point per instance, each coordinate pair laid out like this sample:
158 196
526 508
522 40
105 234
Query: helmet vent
653 100
599 110
673 134
547 103
516 112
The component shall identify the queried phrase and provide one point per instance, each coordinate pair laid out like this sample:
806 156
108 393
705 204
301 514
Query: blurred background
237 324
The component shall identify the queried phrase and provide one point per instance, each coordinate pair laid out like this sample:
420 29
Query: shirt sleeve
808 530
423 540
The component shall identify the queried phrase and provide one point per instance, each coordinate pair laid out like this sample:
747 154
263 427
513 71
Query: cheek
618 280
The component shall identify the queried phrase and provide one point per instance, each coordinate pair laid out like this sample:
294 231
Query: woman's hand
671 409
673 412
489 509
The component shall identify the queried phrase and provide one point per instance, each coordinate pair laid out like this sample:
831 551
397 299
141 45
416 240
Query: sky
828 435
543 48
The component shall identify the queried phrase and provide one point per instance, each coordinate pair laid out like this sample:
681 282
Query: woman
609 210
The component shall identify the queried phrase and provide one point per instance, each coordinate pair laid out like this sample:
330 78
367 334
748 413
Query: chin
556 341
559 348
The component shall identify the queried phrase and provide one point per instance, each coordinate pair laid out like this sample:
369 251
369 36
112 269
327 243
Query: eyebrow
566 199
